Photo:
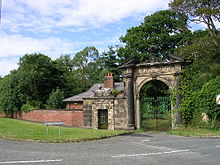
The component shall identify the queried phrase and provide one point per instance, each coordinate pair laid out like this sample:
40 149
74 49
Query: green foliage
154 89
204 50
195 102
55 99
192 131
87 67
207 99
83 58
10 98
110 60
165 30
28 107
115 92
205 11
38 77
64 63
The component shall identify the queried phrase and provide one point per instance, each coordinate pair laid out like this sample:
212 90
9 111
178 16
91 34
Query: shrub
28 107
55 99
206 101
115 92
194 103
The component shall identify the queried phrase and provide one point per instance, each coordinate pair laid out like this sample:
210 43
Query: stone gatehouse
116 116
102 108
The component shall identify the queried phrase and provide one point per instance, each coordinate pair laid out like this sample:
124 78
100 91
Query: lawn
198 132
12 128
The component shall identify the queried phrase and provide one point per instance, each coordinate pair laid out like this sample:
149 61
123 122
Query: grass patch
198 132
12 128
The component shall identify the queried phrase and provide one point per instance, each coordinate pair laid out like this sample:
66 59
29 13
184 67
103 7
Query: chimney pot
109 81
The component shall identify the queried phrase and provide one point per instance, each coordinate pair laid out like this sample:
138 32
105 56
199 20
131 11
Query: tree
84 57
207 99
164 31
154 89
205 55
205 11
87 67
38 77
64 63
110 61
10 98
55 99
205 67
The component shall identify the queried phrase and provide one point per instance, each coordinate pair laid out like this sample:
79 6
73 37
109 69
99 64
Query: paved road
136 149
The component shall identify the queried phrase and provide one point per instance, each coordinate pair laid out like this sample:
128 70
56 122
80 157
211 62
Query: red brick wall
2 115
78 105
70 118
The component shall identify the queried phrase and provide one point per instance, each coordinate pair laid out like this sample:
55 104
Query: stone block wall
120 113
117 112
87 113
72 118
103 103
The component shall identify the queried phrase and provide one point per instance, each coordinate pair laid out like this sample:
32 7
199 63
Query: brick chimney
108 81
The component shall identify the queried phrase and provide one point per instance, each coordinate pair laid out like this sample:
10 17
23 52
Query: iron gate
155 113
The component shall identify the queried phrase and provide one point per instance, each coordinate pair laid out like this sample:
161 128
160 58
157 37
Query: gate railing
156 108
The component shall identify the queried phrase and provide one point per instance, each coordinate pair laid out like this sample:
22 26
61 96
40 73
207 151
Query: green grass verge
198 132
12 128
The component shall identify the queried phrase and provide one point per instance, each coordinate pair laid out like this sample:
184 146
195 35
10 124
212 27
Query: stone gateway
117 105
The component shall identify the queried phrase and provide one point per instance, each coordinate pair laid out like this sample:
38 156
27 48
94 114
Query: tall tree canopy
38 77
110 60
87 67
10 95
163 31
206 11
84 57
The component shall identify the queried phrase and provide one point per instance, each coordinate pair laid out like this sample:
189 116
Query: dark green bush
55 99
28 107
206 101
202 101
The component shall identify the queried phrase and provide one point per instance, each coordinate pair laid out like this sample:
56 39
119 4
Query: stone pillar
138 116
130 101
178 101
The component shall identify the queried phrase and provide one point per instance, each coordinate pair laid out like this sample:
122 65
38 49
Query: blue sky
56 27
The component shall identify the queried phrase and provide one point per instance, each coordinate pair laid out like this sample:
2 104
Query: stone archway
141 84
136 74
155 106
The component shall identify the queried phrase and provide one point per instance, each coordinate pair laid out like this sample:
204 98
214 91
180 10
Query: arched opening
155 106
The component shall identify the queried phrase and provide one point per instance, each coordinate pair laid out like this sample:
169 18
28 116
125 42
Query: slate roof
91 92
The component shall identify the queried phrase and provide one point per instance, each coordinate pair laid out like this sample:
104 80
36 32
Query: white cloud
20 17
44 15
17 45
6 65
14 46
